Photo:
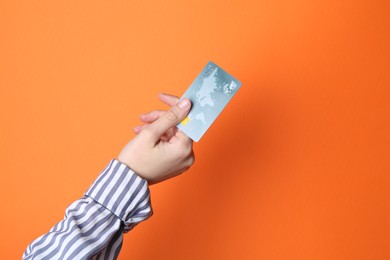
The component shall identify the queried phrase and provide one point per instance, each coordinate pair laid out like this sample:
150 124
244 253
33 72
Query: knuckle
185 150
191 160
189 150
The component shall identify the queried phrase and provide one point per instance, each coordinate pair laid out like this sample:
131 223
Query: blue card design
210 92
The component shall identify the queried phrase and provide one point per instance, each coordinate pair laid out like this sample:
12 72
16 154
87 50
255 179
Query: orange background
296 167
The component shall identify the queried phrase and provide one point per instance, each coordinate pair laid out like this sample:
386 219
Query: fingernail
184 103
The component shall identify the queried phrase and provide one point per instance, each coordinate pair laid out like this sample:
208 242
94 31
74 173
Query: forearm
93 225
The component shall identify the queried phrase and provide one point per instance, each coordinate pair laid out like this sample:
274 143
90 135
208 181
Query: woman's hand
160 151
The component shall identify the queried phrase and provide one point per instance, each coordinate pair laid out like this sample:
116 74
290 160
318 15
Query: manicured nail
184 103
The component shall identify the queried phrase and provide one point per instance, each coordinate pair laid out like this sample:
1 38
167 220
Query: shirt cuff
123 192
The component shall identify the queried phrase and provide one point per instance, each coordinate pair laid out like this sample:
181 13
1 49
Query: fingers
170 100
167 120
167 99
166 137
151 116
138 129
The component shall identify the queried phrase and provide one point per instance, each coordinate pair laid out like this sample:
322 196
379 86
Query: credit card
210 92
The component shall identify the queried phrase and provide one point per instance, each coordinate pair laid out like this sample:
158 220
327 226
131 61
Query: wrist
126 161
120 190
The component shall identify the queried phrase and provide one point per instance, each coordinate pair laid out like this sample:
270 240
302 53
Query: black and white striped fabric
93 226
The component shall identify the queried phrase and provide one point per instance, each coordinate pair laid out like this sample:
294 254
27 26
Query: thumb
169 119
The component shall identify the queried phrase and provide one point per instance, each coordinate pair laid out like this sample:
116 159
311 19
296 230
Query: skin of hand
160 151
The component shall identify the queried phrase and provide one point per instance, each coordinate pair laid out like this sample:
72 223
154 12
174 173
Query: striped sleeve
93 226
